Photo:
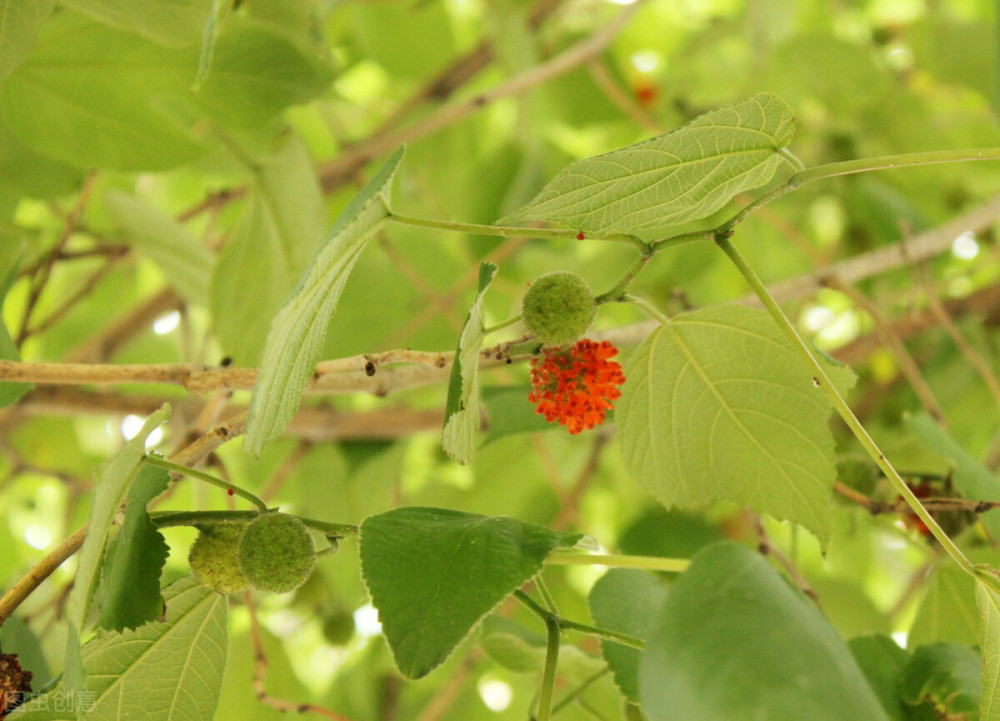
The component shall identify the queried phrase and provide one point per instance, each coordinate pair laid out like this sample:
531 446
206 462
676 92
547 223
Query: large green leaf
735 641
10 255
111 485
683 175
949 675
989 644
882 662
159 672
19 23
168 22
433 574
626 600
718 405
130 591
461 415
282 225
185 261
298 330
92 95
947 611
971 478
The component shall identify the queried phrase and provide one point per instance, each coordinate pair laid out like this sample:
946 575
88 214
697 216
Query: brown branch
44 273
335 172
104 346
42 570
766 548
188 456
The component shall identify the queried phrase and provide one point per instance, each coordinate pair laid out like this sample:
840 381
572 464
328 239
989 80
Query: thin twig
907 365
333 172
260 674
767 548
42 570
570 502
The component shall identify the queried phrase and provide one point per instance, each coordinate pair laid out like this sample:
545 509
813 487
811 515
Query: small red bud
579 236
231 492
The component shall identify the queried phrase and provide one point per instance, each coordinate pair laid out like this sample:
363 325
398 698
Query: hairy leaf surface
718 405
461 416
433 574
297 331
683 175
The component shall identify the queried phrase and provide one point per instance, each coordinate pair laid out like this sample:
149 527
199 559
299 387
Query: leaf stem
163 519
863 165
845 412
502 324
507 231
792 159
613 560
207 478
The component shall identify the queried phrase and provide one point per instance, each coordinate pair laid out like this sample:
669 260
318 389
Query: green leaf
130 592
989 644
10 255
434 573
971 478
683 175
19 23
161 671
718 405
92 96
256 73
735 641
185 261
509 412
947 611
298 330
167 22
112 482
626 600
882 662
461 415
519 650
947 674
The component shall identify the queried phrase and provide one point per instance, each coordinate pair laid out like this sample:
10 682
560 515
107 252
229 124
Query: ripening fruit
277 553
338 628
213 558
558 308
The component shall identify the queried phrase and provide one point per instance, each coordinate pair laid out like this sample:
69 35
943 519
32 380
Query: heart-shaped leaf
433 574
683 175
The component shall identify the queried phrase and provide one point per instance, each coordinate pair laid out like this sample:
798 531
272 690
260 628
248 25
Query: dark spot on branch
369 369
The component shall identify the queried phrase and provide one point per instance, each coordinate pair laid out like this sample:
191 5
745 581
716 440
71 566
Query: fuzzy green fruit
338 628
277 553
213 558
558 308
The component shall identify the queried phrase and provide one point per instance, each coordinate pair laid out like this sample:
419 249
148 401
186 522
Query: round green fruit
338 628
277 553
213 558
558 308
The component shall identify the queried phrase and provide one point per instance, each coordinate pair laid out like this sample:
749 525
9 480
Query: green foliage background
190 157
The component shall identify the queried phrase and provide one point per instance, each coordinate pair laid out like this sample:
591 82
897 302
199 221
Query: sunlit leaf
461 415
167 22
130 591
185 261
626 600
298 330
988 601
10 256
19 23
971 477
111 485
718 405
683 175
735 641
433 574
947 674
161 671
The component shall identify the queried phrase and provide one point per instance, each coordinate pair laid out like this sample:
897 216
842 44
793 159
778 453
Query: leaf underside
683 175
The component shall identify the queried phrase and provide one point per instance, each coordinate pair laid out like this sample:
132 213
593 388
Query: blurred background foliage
161 192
